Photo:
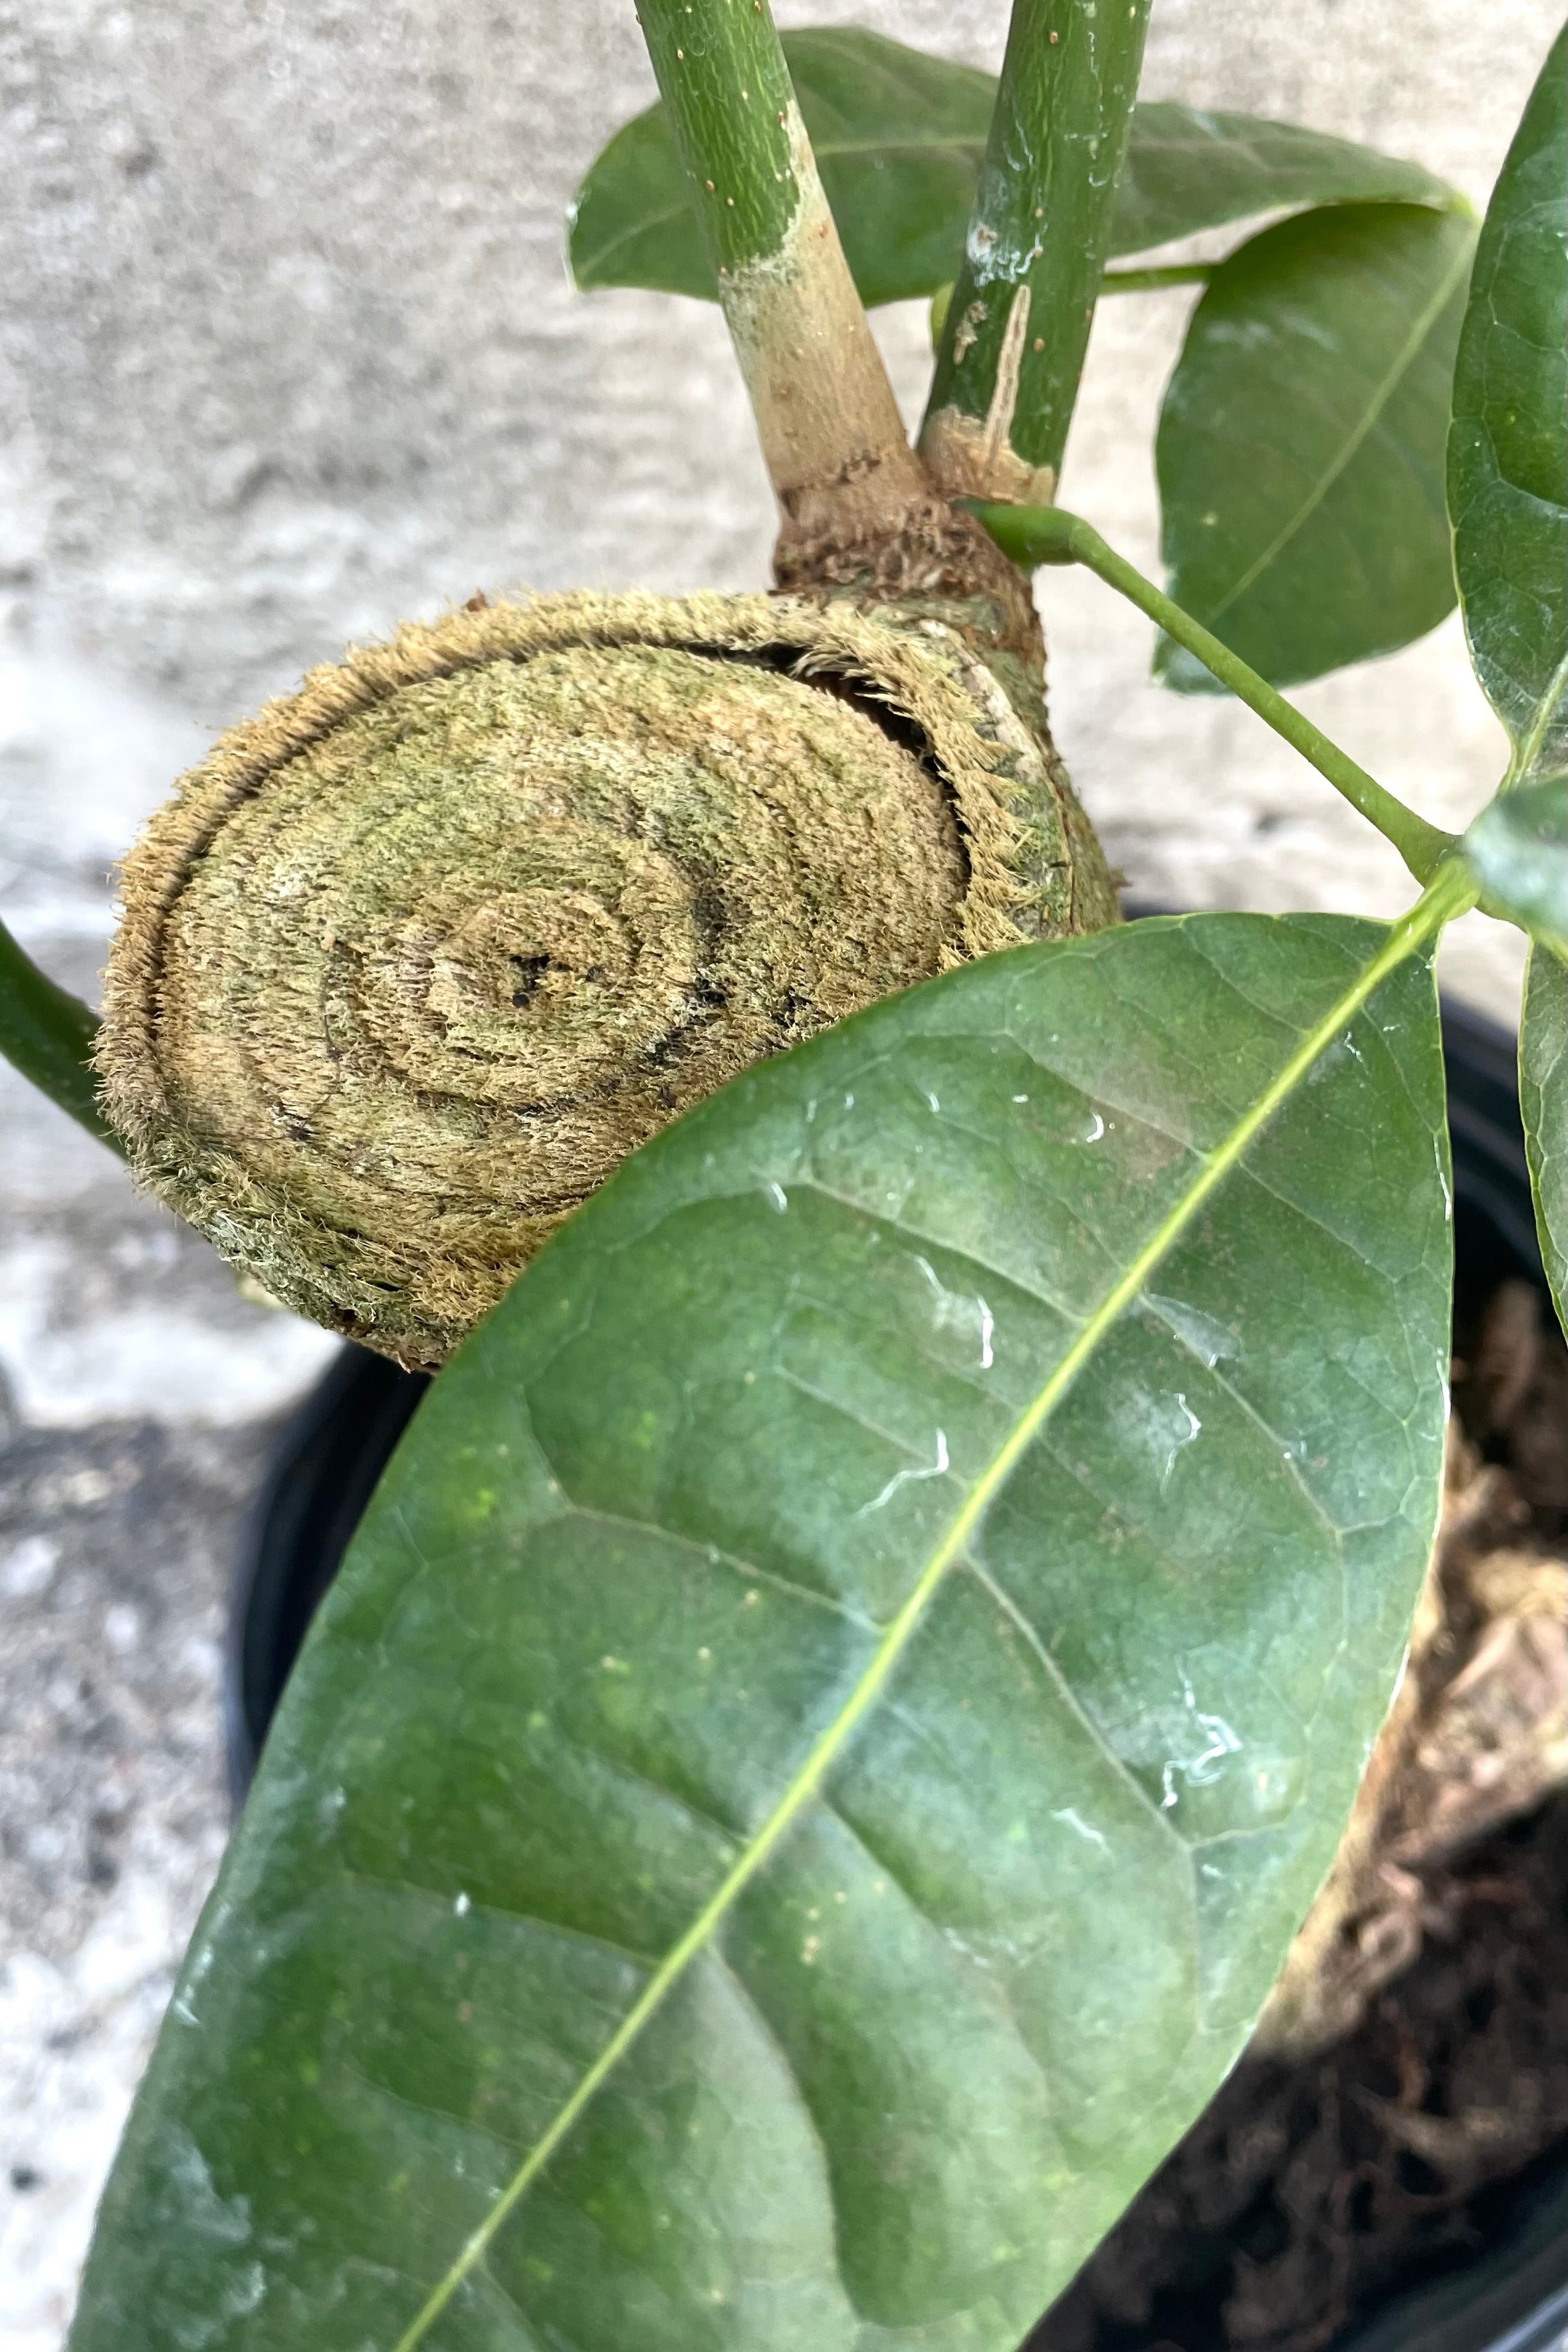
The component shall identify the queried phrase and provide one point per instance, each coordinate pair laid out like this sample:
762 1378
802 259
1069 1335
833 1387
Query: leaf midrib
1442 900
1528 747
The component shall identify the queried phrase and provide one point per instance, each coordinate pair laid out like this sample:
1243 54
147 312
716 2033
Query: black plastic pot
1514 2297
331 1453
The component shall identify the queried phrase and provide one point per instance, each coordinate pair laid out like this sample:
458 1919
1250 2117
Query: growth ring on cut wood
415 958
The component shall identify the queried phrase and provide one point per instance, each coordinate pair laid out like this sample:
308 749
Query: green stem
831 432
1154 281
1112 281
49 1035
1036 535
727 93
1012 348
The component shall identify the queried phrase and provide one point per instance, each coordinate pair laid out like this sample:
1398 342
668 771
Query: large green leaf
1188 170
849 1685
1544 1099
1508 452
1301 445
1508 485
1518 851
898 138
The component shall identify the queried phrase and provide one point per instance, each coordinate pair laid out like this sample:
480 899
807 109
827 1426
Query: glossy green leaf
632 222
1508 452
844 1695
1518 851
1508 479
1188 169
899 138
1301 446
1544 1099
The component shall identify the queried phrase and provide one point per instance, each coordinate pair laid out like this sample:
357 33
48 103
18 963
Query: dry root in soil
1478 1730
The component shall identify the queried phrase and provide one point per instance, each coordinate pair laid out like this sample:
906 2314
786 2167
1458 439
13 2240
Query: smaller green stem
1112 282
49 1035
1036 535
1154 281
1012 350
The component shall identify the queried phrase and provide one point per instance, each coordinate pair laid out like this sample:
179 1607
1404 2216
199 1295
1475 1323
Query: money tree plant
848 1686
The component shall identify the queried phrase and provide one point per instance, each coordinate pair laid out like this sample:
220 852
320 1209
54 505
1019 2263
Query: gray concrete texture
288 351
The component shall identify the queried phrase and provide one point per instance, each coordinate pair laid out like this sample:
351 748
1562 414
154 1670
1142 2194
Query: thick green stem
1112 281
1012 346
49 1035
1036 535
831 432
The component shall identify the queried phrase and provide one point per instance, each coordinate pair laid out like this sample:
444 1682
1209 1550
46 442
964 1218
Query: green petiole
49 1035
1036 535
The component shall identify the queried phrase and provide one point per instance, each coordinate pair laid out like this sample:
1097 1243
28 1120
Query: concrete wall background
288 351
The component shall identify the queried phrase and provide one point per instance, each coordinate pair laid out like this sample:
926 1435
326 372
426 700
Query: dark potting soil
1306 2189
1303 2190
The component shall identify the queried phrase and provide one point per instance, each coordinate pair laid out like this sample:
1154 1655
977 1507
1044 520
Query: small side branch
831 435
49 1035
1034 535
1012 346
